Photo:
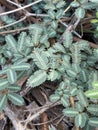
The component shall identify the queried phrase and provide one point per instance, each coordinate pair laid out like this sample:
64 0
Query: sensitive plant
72 64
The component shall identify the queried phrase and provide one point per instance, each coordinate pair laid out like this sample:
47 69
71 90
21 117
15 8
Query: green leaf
3 83
76 55
93 121
65 101
51 33
44 38
70 112
95 84
88 127
94 76
58 47
84 75
60 4
54 24
73 91
53 75
97 14
2 60
37 78
3 100
66 61
17 55
28 41
54 63
82 98
71 73
35 32
80 12
52 14
96 53
40 59
3 72
89 5
93 93
21 41
54 97
15 99
74 4
83 45
20 67
68 38
20 61
13 88
50 6
93 109
76 67
83 1
59 14
12 76
11 42
79 106
80 120
94 21
28 51
62 86
95 1
7 54
61 69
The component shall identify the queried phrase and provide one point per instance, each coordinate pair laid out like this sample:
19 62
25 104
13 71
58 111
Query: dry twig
21 8
15 121
8 25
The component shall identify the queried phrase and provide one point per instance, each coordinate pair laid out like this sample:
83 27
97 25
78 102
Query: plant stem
21 8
